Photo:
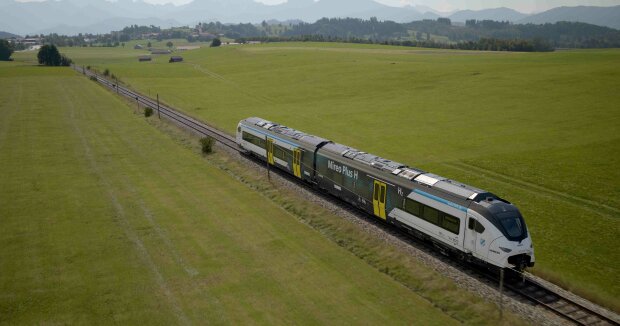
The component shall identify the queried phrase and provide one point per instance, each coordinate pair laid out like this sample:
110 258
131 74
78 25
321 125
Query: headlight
506 250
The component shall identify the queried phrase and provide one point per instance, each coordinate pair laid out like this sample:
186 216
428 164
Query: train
469 223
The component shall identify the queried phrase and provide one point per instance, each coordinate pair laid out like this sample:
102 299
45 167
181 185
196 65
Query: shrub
87 67
216 42
106 72
207 144
93 78
148 112
65 61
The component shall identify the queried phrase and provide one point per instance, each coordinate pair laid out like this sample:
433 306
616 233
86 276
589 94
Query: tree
216 42
169 44
149 45
48 55
6 49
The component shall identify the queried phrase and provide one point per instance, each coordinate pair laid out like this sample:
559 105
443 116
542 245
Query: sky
525 6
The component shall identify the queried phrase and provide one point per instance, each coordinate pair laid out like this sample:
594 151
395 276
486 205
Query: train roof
302 137
387 166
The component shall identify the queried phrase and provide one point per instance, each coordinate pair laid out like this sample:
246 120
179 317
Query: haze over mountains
101 16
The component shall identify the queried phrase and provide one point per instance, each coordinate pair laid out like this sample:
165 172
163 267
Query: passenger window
471 224
412 207
431 215
451 223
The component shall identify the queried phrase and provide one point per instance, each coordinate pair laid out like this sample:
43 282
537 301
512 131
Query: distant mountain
111 24
497 14
602 16
74 16
80 16
5 35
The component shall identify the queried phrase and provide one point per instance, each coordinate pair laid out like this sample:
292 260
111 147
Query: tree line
475 34
485 44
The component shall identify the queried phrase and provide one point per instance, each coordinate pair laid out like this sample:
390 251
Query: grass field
104 219
540 129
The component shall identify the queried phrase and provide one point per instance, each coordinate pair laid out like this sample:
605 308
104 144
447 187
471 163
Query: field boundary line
259 98
531 187
122 218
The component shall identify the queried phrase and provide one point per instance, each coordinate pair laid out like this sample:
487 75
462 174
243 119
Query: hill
603 16
496 14
6 35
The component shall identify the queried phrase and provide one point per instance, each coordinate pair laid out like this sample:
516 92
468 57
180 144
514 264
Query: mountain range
102 16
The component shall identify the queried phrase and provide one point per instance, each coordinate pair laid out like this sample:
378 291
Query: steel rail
229 141
558 303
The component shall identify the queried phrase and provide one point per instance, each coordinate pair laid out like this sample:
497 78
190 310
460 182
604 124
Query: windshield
512 223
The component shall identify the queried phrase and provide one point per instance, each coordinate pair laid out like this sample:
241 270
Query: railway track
559 304
180 118
520 284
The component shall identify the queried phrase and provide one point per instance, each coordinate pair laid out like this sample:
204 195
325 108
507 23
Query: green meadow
539 129
106 219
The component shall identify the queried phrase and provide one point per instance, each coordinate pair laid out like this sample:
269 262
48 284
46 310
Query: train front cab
500 237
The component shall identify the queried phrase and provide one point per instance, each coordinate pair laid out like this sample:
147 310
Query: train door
471 236
378 198
269 148
297 162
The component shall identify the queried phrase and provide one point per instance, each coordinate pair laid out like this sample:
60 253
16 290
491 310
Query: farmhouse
144 58
175 59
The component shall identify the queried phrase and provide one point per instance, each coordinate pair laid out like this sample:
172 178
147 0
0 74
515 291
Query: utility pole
158 114
138 104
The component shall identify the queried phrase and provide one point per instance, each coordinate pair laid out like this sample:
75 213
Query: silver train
460 220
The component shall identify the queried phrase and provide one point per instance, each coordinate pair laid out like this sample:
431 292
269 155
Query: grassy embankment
104 219
540 129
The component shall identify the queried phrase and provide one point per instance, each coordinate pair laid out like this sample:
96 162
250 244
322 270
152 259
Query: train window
412 207
253 139
479 228
431 215
280 152
451 223
376 192
475 225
